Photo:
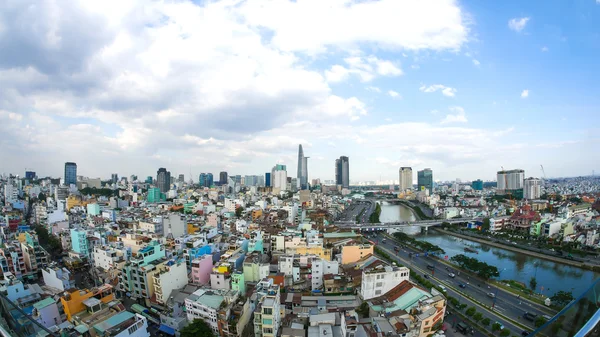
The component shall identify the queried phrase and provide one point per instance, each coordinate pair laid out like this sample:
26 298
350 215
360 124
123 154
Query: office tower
114 178
425 180
70 173
181 178
209 180
163 180
29 175
268 179
510 182
532 188
133 178
223 178
342 172
405 182
148 180
202 179
279 177
238 179
302 174
477 185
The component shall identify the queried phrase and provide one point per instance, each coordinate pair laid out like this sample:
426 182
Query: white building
127 323
267 314
320 268
379 280
46 312
279 178
204 304
154 226
171 276
406 179
509 180
58 278
532 188
175 225
107 257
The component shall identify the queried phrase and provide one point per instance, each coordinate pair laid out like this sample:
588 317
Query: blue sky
462 87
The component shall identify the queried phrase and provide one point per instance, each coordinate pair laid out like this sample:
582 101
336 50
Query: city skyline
466 91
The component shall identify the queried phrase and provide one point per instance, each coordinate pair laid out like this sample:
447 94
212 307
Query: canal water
519 267
512 266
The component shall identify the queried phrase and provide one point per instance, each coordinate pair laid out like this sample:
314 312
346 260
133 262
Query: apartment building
205 304
136 276
73 300
58 278
107 257
353 253
201 269
379 280
267 314
169 276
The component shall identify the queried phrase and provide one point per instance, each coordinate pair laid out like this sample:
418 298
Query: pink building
212 220
201 269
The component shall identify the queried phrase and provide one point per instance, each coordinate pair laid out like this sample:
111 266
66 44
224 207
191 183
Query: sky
462 87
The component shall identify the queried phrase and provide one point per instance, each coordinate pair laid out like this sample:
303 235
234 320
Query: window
267 330
377 292
379 284
268 311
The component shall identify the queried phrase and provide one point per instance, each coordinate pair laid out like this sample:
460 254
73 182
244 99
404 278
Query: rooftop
113 321
44 303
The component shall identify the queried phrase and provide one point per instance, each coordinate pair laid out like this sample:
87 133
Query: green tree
41 196
496 327
480 268
363 309
477 317
238 211
562 298
533 283
486 224
539 322
471 311
197 328
504 332
485 321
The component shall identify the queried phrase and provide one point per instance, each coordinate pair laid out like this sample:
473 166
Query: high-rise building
148 180
163 180
532 188
477 185
279 177
70 173
405 182
29 175
223 178
342 172
202 179
425 180
114 178
302 174
268 179
209 180
181 178
510 181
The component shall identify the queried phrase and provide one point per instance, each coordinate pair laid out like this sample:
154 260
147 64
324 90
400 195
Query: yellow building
191 228
73 300
324 253
351 254
257 213
73 201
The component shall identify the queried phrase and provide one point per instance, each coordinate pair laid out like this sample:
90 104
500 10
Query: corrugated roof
113 321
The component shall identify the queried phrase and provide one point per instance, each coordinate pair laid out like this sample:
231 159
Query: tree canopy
197 328
480 268
562 298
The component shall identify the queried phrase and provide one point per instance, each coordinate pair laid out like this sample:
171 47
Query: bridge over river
389 225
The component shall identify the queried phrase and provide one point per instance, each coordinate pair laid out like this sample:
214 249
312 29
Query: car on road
397 249
501 325
426 276
383 241
452 275
525 333
530 316
430 266
442 287
492 295
462 285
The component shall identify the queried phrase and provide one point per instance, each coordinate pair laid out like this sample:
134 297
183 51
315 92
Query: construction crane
512 202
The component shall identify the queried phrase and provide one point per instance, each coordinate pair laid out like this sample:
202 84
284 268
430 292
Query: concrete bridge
390 225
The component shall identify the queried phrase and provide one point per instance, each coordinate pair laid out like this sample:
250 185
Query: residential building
107 257
163 180
279 177
155 195
342 172
477 185
33 254
380 279
136 275
256 267
510 182
201 269
405 183
267 313
46 312
205 304
15 262
79 242
532 188
170 276
355 252
123 324
523 218
73 300
58 278
70 173
93 209
425 180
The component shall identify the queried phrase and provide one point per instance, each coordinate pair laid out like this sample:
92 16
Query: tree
41 196
562 298
477 317
197 328
496 327
539 322
363 309
482 269
485 321
504 332
533 283
470 312
238 211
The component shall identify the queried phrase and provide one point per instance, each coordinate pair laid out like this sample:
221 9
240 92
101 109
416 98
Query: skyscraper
209 180
302 174
181 178
406 179
510 181
223 178
425 180
202 179
342 172
163 180
268 179
279 177
114 178
70 173
532 188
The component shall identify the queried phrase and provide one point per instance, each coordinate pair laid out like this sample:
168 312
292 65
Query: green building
155 195
238 282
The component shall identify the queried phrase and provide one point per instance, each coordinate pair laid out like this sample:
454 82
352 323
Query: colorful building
73 300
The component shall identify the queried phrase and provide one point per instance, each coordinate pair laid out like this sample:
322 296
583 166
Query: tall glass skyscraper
425 180
70 173
163 180
302 175
342 172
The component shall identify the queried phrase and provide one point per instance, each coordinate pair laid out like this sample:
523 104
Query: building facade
342 172
279 177
163 180
425 180
70 173
510 181
532 188
405 182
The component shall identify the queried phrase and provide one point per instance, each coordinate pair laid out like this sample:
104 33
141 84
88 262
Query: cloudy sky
463 87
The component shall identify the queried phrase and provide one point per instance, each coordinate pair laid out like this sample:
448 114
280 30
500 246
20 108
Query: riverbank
414 209
521 251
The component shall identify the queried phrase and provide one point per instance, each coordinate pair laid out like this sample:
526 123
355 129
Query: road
354 209
506 303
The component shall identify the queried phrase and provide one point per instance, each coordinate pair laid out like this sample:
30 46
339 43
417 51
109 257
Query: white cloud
394 94
366 68
337 73
373 89
545 49
517 24
446 91
476 62
459 116
525 93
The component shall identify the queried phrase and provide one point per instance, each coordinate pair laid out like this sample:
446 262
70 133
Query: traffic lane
451 292
450 323
506 301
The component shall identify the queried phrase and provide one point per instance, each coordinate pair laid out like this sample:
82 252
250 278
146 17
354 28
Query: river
550 276
512 266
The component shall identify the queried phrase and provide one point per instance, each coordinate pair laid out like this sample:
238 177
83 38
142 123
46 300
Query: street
504 303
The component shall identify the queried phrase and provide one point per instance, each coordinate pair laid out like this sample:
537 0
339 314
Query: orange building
257 213
351 254
73 300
